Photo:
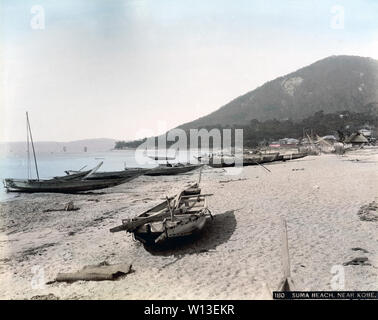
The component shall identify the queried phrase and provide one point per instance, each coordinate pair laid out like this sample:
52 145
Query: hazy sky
112 68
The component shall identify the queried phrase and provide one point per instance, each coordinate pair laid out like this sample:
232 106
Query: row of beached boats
186 213
177 216
248 159
79 181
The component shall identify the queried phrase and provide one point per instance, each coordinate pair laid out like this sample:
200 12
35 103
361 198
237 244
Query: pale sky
125 69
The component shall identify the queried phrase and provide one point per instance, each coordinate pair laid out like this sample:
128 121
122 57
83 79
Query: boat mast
28 150
32 143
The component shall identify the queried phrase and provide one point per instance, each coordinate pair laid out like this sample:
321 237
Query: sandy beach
238 254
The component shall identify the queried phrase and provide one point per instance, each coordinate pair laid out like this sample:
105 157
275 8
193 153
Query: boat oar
93 170
262 166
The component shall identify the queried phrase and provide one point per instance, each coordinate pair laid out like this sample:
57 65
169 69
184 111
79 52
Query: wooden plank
192 196
198 195
285 250
286 284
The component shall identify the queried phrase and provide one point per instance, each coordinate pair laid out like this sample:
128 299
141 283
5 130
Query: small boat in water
160 157
178 216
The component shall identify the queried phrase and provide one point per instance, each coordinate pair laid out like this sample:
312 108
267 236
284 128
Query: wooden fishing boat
165 157
255 159
250 160
178 216
260 159
76 182
130 173
66 184
73 176
161 158
166 169
219 162
294 156
59 185
202 158
268 157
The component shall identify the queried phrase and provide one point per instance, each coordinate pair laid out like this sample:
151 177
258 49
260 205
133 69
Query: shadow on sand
216 231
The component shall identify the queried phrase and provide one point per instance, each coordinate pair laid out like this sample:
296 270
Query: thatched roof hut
357 138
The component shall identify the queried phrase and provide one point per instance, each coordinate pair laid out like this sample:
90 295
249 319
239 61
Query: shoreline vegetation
259 133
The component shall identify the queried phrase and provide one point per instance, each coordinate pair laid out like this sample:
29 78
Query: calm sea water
50 165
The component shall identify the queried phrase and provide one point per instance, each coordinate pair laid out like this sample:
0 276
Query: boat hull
149 234
254 161
59 186
179 216
73 176
167 171
124 174
294 156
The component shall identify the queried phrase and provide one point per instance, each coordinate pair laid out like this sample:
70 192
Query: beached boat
178 216
73 176
294 156
202 158
256 159
248 160
260 159
172 169
66 184
76 182
123 174
59 185
219 162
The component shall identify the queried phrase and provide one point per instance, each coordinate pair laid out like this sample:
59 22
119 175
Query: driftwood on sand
100 272
68 207
232 180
